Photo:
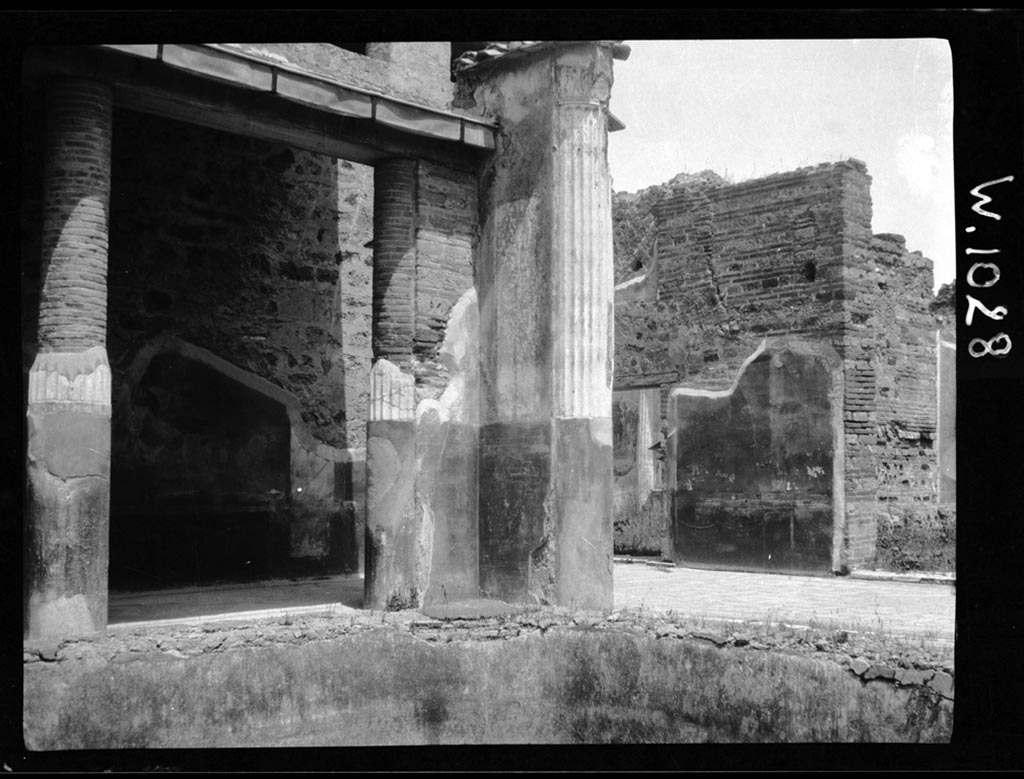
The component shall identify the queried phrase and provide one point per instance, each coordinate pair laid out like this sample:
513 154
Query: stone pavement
896 607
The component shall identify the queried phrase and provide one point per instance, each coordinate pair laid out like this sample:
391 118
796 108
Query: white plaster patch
601 431
270 55
425 548
637 288
70 377
636 281
459 355
382 453
702 393
60 616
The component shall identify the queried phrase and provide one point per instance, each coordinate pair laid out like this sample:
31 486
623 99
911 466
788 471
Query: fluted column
583 287
582 306
69 403
546 280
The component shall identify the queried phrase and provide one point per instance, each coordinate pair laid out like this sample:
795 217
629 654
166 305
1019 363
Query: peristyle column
69 403
393 571
421 539
546 285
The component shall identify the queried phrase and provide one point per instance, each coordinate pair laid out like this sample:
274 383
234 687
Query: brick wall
792 256
251 250
256 254
444 264
735 264
944 310
417 71
890 413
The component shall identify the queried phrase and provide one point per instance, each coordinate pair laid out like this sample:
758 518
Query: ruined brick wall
634 226
735 264
251 250
891 462
944 309
256 253
444 265
792 256
916 526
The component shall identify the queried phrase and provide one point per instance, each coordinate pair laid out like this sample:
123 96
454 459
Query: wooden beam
340 128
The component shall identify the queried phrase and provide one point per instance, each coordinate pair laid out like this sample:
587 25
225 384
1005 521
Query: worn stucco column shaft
546 283
69 404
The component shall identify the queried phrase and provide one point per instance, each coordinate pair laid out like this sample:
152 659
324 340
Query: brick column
392 564
545 278
421 502
69 384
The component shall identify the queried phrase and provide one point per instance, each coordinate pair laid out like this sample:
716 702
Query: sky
749 108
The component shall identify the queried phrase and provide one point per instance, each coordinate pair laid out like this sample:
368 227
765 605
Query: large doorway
238 338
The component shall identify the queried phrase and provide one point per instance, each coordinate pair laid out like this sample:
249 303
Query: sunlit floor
275 596
889 606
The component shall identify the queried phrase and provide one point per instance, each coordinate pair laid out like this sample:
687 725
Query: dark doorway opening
201 464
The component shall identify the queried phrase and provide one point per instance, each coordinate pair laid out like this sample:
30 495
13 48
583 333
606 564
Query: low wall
543 676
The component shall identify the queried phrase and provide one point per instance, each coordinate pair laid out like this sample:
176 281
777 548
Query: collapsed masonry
784 382
260 277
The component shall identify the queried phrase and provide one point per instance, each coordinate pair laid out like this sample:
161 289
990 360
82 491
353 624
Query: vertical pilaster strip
648 406
69 398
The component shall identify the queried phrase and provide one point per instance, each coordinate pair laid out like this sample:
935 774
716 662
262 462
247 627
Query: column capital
582 75
538 76
71 379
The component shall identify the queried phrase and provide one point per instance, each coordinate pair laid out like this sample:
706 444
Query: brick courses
72 314
251 250
792 256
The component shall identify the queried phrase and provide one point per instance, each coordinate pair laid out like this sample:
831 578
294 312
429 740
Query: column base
67 524
393 548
